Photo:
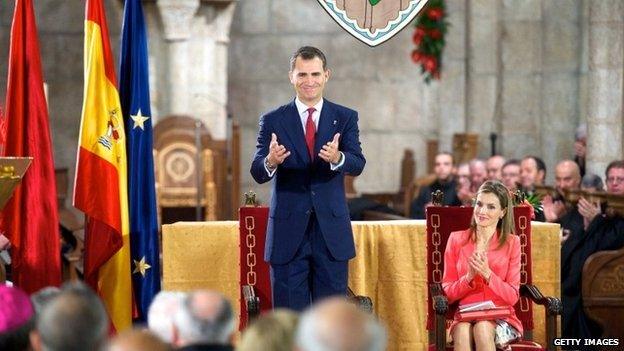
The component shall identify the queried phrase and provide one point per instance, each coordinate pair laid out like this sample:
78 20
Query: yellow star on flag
139 119
141 266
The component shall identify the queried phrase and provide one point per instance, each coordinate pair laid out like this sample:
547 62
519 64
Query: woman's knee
484 332
462 335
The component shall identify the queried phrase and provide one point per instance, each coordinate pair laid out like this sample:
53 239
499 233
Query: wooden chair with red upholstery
255 280
441 221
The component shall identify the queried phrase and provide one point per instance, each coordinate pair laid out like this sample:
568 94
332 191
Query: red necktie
310 134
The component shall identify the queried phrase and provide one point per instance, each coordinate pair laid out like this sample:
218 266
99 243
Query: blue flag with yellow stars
135 104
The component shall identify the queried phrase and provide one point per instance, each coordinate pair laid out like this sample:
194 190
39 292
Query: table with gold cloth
390 267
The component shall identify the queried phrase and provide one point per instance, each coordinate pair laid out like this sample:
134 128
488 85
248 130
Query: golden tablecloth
390 267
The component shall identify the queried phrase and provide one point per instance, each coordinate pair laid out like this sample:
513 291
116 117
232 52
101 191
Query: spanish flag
100 186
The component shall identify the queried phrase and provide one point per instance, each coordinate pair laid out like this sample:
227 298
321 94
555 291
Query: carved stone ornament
250 199
177 17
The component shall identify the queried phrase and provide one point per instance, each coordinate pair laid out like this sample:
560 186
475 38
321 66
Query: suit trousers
311 275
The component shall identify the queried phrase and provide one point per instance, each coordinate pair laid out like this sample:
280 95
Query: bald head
478 173
203 317
495 167
137 340
567 175
337 325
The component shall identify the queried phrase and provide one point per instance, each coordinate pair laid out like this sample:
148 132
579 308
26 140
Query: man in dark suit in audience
600 233
444 182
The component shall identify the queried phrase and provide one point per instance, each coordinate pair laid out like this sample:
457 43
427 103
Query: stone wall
519 68
396 109
524 77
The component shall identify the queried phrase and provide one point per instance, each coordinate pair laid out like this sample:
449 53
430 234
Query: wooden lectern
12 171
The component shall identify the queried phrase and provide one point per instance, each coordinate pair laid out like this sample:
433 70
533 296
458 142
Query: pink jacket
504 285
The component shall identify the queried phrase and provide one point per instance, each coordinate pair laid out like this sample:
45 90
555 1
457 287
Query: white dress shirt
302 109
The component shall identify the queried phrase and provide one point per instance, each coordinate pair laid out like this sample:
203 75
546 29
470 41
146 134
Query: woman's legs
462 336
484 334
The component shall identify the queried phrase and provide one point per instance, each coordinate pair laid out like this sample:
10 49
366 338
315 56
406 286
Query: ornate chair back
441 221
178 161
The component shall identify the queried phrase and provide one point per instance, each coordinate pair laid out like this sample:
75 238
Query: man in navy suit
307 146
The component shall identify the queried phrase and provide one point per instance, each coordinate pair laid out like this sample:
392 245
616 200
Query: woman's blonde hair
506 224
274 331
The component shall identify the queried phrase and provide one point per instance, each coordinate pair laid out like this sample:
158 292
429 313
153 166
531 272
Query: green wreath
429 37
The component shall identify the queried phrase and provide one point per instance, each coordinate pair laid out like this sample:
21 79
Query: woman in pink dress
483 263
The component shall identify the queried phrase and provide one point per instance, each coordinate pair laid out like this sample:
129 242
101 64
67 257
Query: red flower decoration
430 63
416 56
428 37
435 13
435 33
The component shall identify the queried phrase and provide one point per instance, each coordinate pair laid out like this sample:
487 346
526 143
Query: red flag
2 131
30 218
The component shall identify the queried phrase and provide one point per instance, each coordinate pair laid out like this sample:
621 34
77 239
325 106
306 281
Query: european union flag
135 103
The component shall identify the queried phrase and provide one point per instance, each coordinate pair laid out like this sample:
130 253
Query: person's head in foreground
335 324
137 340
75 320
16 319
274 331
204 318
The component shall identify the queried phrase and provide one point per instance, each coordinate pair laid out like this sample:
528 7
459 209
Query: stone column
606 62
177 16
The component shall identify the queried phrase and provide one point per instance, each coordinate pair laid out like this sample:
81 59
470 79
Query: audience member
5 258
161 313
580 147
75 320
511 175
204 321
567 177
335 324
444 182
274 331
137 340
601 233
4 242
615 177
463 184
495 167
478 173
42 297
592 182
532 173
16 319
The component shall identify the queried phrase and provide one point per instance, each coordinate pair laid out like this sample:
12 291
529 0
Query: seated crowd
73 318
586 227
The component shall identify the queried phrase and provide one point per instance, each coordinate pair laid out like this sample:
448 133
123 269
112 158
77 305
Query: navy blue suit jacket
302 185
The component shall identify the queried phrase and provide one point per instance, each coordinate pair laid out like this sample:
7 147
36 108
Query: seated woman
483 263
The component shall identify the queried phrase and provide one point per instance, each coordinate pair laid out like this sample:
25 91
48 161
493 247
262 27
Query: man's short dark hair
447 154
513 161
18 338
614 164
541 166
308 53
